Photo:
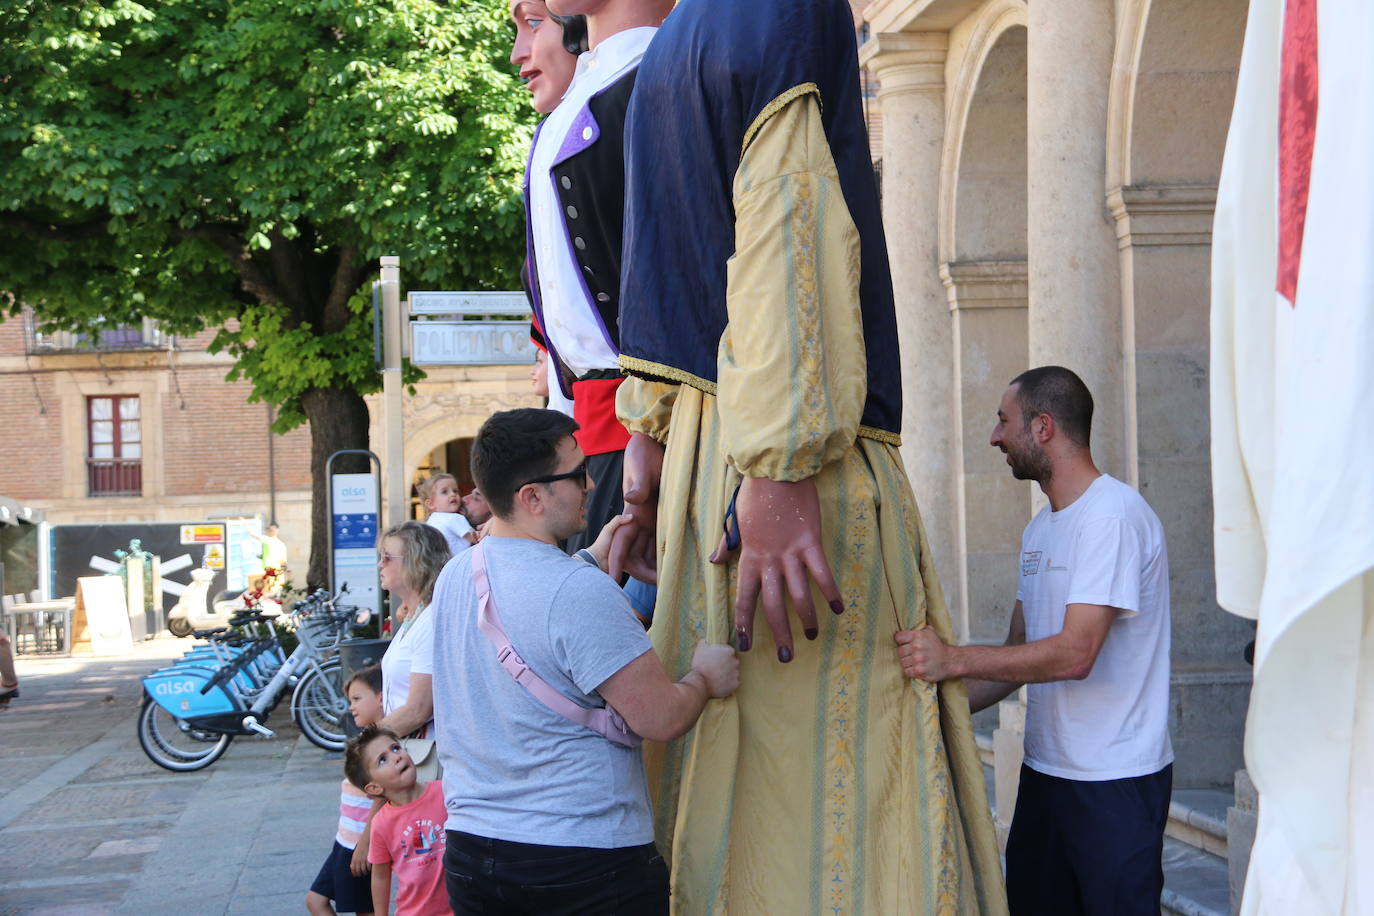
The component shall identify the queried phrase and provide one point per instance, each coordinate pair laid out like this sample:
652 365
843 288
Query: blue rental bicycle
195 707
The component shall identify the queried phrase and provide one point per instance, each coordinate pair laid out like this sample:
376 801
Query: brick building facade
142 427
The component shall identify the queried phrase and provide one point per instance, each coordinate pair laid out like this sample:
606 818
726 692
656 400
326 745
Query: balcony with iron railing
114 338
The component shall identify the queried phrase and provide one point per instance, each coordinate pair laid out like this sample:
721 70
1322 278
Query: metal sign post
355 512
393 324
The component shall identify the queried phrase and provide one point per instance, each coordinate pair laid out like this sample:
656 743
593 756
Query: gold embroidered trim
880 435
672 374
774 107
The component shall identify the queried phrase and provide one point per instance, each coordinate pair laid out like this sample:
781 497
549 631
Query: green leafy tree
245 163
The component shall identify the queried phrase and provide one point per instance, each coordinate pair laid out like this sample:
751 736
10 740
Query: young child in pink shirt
408 832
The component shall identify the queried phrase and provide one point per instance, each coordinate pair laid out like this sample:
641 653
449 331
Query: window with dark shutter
114 456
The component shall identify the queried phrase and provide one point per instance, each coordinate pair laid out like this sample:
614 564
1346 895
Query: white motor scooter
193 610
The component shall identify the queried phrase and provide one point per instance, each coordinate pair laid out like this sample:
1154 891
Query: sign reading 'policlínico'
470 343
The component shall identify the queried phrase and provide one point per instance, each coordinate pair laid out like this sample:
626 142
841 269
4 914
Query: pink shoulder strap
604 720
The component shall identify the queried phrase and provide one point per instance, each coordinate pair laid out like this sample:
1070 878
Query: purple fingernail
784 654
812 632
837 606
742 640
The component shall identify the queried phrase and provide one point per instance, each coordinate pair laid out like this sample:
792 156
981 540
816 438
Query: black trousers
1089 848
488 876
606 501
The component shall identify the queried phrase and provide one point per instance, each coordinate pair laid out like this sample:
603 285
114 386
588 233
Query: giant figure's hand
633 548
780 553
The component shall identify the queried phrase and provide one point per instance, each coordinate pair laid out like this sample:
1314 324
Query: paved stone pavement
90 826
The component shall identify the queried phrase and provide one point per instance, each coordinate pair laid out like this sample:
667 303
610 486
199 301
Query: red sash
594 411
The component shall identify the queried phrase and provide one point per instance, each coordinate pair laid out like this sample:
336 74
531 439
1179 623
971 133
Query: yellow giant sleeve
792 368
646 407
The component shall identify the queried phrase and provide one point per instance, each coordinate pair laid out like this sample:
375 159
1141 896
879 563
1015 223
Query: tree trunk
338 420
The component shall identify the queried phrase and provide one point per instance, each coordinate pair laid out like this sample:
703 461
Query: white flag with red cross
1293 442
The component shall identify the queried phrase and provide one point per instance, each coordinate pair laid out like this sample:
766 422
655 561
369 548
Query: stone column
988 302
910 70
1075 295
1164 233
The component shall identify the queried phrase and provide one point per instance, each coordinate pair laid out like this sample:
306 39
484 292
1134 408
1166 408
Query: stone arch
441 412
990 186
983 246
1173 83
420 443
984 33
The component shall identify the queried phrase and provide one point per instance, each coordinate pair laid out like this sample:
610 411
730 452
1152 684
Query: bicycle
194 708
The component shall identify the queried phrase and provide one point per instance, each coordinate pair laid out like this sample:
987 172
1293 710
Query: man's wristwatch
586 556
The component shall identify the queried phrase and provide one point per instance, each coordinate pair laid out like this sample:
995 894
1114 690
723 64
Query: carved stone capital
985 284
1163 214
905 62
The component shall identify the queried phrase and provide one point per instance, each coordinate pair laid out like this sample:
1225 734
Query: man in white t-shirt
1090 636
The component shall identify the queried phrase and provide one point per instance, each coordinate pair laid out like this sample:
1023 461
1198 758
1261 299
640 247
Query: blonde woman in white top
410 557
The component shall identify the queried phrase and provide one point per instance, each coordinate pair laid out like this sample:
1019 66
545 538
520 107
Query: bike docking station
230 685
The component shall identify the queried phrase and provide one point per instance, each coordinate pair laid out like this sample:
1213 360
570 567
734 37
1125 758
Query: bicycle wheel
173 744
319 706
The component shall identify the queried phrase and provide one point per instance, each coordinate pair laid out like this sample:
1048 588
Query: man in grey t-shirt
536 800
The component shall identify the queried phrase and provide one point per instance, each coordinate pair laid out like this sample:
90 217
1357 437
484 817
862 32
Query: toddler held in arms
439 494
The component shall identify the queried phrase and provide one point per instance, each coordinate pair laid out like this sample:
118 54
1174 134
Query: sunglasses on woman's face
579 472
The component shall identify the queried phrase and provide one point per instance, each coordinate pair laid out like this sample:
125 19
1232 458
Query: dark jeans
1088 848
490 876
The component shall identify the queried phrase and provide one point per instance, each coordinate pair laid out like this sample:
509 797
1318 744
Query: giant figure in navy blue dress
757 326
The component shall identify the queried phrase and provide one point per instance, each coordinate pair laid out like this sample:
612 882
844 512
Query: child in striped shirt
343 879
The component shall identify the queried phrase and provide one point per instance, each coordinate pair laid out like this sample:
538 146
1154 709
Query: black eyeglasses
574 474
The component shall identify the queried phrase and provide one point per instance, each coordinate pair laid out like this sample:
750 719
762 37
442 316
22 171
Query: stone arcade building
1049 171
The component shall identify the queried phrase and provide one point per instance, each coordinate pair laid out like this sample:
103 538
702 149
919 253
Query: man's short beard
571 531
1033 464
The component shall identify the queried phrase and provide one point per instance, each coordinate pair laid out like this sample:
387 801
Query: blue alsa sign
355 526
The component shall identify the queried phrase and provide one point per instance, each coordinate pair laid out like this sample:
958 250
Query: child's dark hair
371 676
355 765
